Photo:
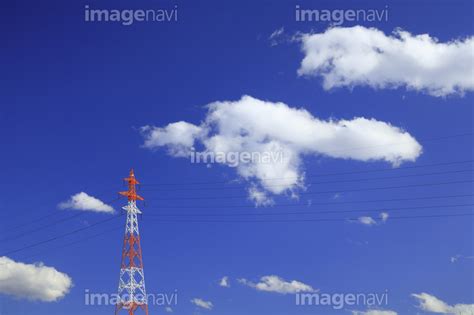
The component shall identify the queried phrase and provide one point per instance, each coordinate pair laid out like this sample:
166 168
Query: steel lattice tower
131 291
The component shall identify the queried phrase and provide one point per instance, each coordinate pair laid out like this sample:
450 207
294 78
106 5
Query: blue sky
76 94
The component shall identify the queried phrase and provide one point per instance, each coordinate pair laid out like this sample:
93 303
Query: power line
10 238
353 180
324 174
305 212
52 214
314 220
50 224
326 192
55 212
324 203
109 219
219 221
76 241
318 183
289 213
60 236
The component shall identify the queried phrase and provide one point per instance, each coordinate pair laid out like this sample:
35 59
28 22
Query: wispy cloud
259 197
84 202
278 285
374 312
366 220
457 258
369 221
276 35
202 304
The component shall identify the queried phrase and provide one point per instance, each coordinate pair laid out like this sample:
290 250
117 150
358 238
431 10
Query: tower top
132 191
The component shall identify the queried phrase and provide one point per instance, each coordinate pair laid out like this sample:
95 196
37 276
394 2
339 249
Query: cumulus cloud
277 137
366 56
384 216
374 312
178 137
168 309
202 304
278 285
430 303
83 201
35 282
224 282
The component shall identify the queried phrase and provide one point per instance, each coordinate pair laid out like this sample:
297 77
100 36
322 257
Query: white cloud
178 136
259 197
366 56
32 281
275 37
224 282
374 312
457 258
278 285
168 309
250 125
83 201
277 32
430 303
369 221
366 221
203 304
384 216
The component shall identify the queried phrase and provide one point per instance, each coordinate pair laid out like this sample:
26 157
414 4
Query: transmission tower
131 291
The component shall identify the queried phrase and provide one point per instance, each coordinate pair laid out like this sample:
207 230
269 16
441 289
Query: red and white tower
131 291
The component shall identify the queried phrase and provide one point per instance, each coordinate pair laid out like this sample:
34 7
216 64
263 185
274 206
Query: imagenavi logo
340 16
128 17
